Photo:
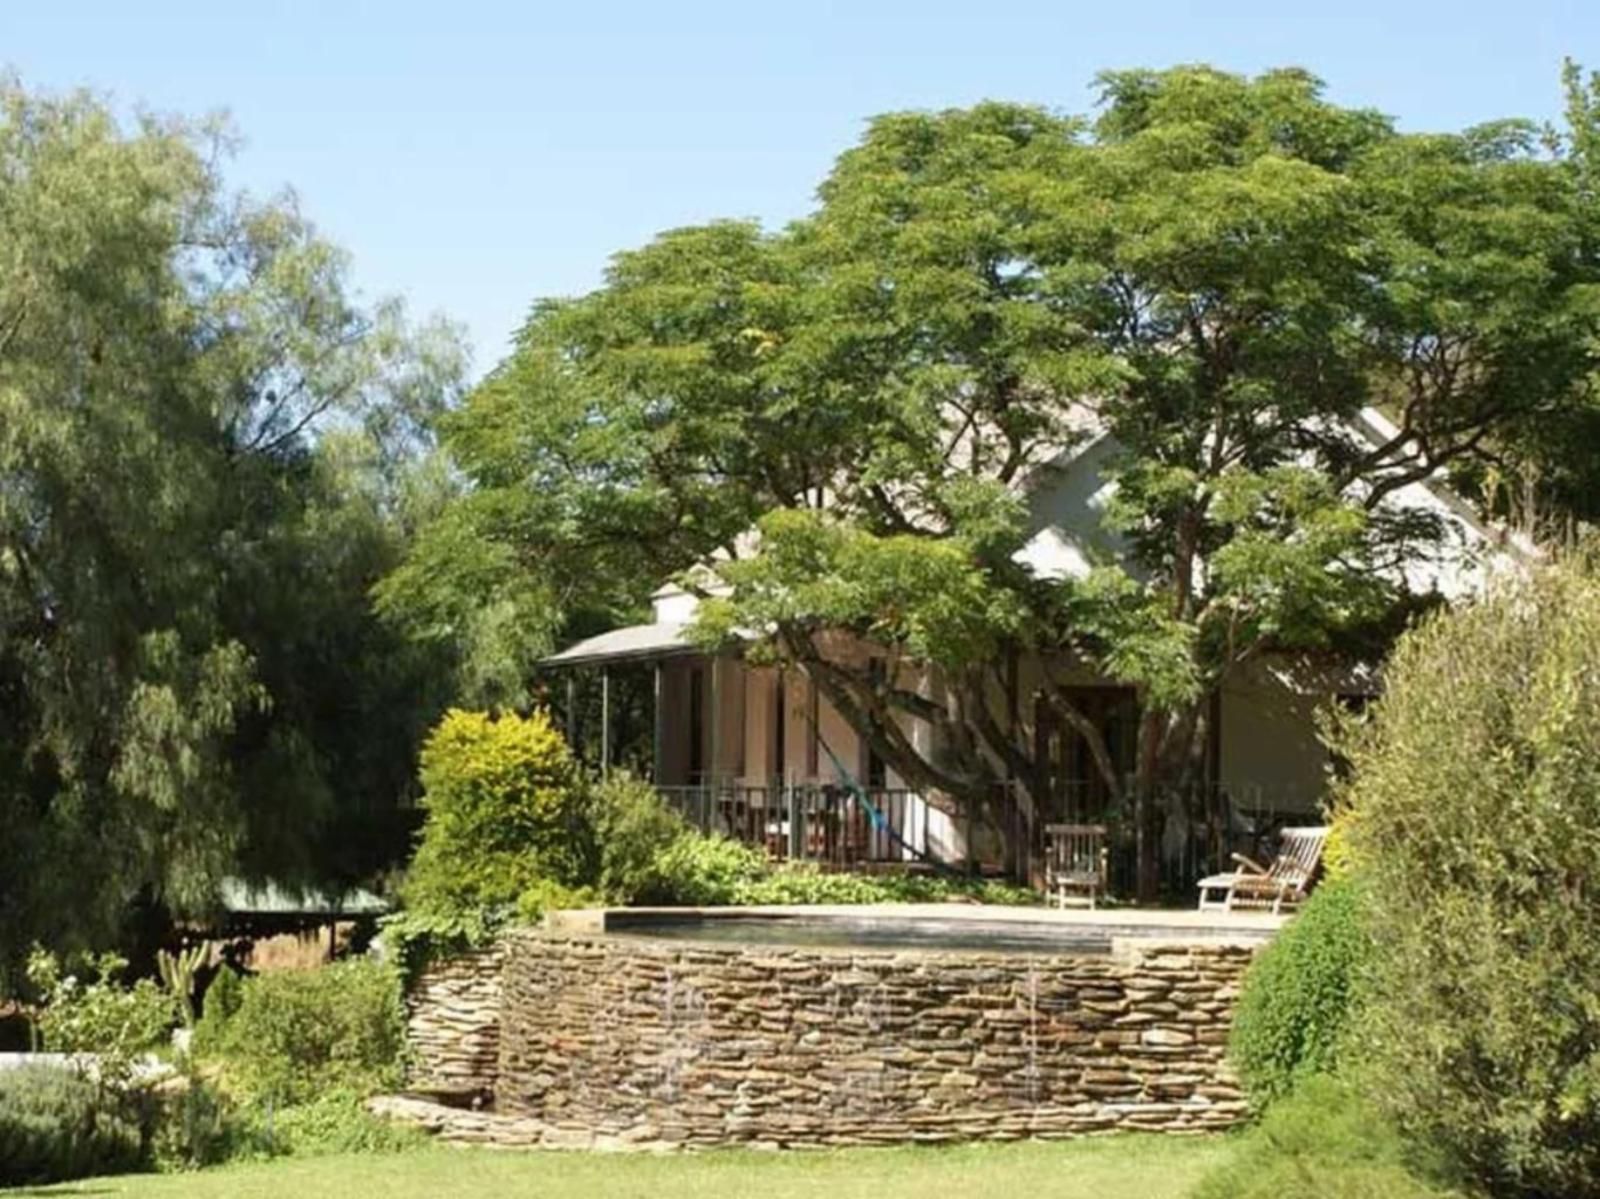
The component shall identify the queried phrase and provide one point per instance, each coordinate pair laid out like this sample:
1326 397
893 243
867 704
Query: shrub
410 939
708 871
632 826
547 896
92 1012
1475 818
300 1033
336 1122
57 1124
1325 1141
503 804
1297 998
699 870
199 1125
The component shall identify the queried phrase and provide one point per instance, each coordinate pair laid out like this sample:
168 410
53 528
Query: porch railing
831 825
841 829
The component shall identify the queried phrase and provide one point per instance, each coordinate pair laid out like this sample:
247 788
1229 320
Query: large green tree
204 449
1219 273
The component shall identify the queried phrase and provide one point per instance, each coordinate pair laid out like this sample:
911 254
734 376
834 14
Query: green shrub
411 938
336 1122
549 896
1297 998
300 1033
708 871
697 871
805 883
57 1124
503 806
200 1125
1322 1142
632 826
91 1011
1475 820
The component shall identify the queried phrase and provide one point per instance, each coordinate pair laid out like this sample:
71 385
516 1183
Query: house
754 751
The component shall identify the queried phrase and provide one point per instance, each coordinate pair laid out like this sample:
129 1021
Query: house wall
1270 755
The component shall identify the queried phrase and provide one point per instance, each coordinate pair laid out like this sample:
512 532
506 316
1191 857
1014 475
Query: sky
475 156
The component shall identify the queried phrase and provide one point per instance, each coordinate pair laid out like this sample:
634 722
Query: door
1070 777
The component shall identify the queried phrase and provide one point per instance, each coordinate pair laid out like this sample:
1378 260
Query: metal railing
839 828
1196 829
830 824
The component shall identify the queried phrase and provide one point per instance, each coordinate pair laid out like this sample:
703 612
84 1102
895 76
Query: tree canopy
1225 276
206 443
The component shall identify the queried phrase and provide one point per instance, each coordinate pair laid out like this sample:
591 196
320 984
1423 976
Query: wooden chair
1285 883
1075 863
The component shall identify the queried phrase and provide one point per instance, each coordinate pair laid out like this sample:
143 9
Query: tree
170 356
1220 274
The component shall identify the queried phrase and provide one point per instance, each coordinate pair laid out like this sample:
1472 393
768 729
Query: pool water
846 932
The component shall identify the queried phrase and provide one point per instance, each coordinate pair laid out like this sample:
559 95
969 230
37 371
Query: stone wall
453 1025
619 1041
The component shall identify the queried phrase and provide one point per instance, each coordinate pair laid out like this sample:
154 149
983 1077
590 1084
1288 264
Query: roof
636 641
239 897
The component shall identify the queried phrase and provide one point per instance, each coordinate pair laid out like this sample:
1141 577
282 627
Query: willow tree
178 554
1219 274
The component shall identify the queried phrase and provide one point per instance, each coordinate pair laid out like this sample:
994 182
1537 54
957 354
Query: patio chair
1285 883
1075 863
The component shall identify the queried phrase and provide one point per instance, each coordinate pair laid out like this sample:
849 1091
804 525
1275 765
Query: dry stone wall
453 1025
618 1041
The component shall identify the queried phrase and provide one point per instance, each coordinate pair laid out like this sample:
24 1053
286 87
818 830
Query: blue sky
473 156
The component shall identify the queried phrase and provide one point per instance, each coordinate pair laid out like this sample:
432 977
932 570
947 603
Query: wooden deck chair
1285 883
1075 863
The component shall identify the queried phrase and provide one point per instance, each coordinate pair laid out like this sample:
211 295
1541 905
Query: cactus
178 971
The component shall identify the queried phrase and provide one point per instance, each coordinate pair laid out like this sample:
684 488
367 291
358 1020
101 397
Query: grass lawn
1124 1167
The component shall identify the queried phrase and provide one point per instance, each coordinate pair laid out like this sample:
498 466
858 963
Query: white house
756 752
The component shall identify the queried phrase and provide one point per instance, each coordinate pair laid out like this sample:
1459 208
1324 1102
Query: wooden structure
1286 882
1075 863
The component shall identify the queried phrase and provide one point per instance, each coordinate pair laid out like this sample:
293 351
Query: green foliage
177 972
1298 999
1208 290
414 937
1474 817
504 813
699 871
93 1012
57 1124
198 1125
334 1121
632 826
301 1033
205 443
1324 1140
224 995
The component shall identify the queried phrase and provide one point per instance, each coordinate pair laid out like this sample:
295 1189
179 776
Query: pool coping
1182 926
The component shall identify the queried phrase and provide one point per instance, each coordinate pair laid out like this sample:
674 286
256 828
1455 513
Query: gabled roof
634 642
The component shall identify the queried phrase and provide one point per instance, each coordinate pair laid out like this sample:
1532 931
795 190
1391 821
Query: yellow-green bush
1475 790
503 805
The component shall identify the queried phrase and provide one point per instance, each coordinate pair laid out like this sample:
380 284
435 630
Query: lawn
1125 1167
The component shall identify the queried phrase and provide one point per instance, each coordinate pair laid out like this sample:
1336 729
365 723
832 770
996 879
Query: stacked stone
453 1026
620 1041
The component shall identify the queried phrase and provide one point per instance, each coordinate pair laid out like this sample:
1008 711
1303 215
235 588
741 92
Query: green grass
1124 1167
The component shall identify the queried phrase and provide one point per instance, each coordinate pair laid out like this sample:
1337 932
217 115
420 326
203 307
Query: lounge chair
1075 863
1285 883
